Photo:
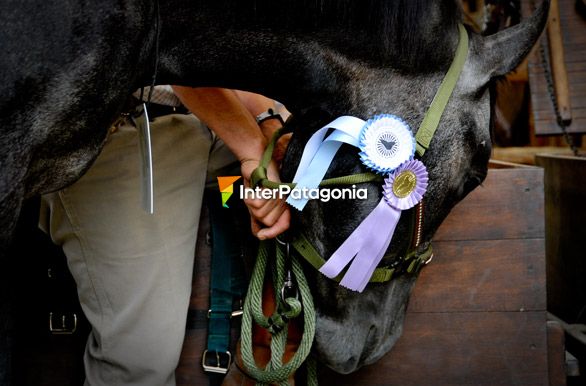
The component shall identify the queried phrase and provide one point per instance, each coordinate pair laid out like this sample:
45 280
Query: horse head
356 329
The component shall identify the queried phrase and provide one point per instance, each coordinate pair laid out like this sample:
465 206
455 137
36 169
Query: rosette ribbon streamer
366 246
319 153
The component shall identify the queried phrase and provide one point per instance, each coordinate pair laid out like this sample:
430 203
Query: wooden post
565 232
558 64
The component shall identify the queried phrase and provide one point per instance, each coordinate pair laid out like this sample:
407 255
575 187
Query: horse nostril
370 343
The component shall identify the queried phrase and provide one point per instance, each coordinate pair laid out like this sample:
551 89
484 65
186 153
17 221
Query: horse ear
503 52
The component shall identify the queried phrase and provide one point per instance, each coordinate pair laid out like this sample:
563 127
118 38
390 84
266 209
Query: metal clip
288 289
142 123
64 329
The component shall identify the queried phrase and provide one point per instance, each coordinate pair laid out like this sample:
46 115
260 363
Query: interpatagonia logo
226 185
282 192
322 194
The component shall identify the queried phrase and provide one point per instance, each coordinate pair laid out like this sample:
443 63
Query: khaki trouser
133 270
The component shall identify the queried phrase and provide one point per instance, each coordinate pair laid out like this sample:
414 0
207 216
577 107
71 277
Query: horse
69 67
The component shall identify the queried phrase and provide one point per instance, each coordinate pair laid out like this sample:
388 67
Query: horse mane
410 34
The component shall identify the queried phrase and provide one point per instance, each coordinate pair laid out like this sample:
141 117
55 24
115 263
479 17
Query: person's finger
271 217
255 226
279 227
254 203
281 148
265 213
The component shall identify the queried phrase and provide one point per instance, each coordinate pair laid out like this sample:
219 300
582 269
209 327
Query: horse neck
203 47
219 56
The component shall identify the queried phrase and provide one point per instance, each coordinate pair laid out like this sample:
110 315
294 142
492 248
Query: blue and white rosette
385 143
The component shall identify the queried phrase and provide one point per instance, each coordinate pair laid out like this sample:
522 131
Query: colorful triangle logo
226 185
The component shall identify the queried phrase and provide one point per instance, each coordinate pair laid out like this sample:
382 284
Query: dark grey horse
68 66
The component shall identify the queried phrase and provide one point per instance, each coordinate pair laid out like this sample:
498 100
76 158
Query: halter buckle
220 367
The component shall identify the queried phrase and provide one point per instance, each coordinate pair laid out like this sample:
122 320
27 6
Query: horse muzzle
346 353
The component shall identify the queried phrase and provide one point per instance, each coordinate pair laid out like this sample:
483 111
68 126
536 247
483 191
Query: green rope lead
276 371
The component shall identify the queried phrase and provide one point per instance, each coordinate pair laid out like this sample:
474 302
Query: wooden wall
478 312
573 27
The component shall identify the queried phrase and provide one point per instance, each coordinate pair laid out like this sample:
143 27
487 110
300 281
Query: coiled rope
290 303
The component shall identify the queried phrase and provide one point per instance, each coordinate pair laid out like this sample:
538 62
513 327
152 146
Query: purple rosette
405 187
366 246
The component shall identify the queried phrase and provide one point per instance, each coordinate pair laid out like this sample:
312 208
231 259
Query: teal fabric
227 278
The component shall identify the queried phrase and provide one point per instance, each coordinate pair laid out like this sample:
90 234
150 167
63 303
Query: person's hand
269 218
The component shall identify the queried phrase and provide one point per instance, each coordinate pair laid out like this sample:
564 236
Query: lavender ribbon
366 246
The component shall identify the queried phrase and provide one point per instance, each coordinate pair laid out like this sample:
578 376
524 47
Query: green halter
287 306
438 105
423 137
411 262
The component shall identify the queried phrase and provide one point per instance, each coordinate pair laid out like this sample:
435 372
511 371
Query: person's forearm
223 112
257 104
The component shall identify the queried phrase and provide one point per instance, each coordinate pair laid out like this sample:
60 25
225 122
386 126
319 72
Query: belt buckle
217 368
65 324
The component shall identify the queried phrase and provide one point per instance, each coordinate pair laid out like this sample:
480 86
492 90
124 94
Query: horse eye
470 184
472 181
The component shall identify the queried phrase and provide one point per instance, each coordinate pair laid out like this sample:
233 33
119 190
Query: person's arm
258 104
227 116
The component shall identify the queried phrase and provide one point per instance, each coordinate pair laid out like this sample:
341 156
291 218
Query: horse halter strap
440 100
412 262
259 175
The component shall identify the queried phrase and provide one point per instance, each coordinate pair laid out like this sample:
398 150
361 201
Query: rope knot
292 307
258 175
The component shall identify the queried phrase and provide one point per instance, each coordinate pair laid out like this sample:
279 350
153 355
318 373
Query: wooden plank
491 275
556 356
565 189
574 45
558 63
477 315
523 155
572 66
508 205
457 349
545 101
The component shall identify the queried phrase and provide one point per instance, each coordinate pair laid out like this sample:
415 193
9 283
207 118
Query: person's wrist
253 149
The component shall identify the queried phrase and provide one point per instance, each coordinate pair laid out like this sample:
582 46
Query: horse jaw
346 344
